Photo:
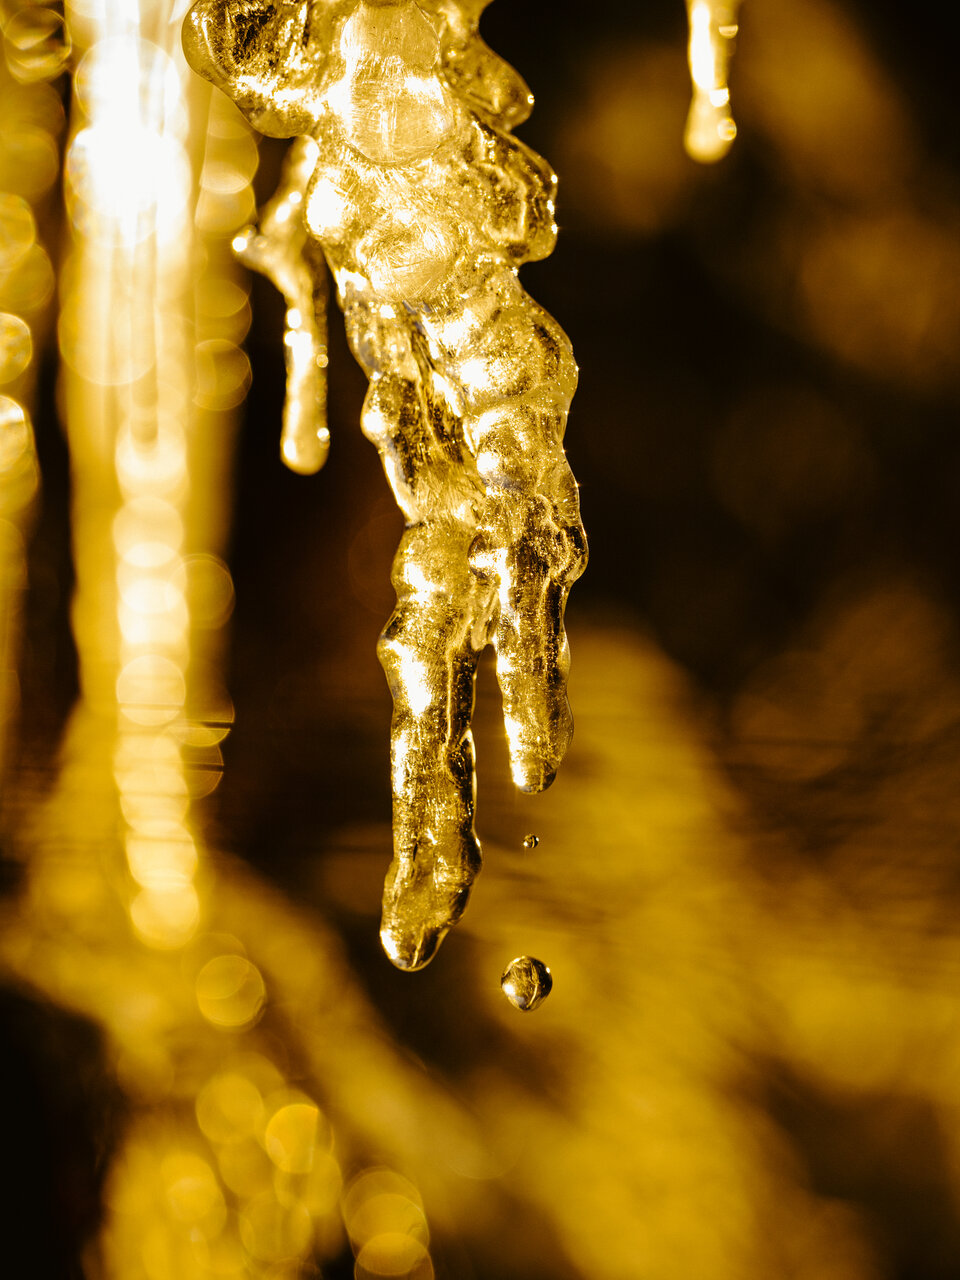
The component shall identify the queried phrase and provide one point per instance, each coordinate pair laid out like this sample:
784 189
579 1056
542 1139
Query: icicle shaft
425 207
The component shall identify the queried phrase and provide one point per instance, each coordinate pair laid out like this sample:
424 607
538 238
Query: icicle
425 206
282 251
710 127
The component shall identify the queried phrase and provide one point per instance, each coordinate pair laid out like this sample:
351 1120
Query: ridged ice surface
425 206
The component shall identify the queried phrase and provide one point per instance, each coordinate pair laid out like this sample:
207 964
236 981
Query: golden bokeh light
393 1253
27 287
36 44
272 1232
230 991
18 230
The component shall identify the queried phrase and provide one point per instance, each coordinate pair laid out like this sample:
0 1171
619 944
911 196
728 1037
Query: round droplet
531 842
272 1232
229 1107
166 917
526 982
290 1138
29 286
29 162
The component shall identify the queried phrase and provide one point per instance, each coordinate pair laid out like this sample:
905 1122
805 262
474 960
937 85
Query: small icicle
710 127
282 251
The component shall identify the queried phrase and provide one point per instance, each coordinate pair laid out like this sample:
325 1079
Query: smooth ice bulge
424 207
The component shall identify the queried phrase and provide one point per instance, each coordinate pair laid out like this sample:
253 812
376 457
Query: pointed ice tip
409 954
531 776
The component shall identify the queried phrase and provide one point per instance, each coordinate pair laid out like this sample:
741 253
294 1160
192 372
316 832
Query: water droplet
526 983
531 842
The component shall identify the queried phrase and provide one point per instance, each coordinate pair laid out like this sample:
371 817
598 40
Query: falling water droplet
526 982
531 842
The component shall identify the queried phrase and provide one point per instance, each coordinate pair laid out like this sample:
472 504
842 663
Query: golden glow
113 171
290 1136
36 44
166 915
274 1232
384 1218
28 162
230 991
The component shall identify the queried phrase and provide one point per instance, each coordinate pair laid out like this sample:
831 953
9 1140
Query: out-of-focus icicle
710 127
425 207
34 48
123 917
281 250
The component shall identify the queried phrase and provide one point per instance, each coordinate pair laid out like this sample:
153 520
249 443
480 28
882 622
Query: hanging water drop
531 842
526 982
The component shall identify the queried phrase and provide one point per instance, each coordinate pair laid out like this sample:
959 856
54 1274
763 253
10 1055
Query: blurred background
748 872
